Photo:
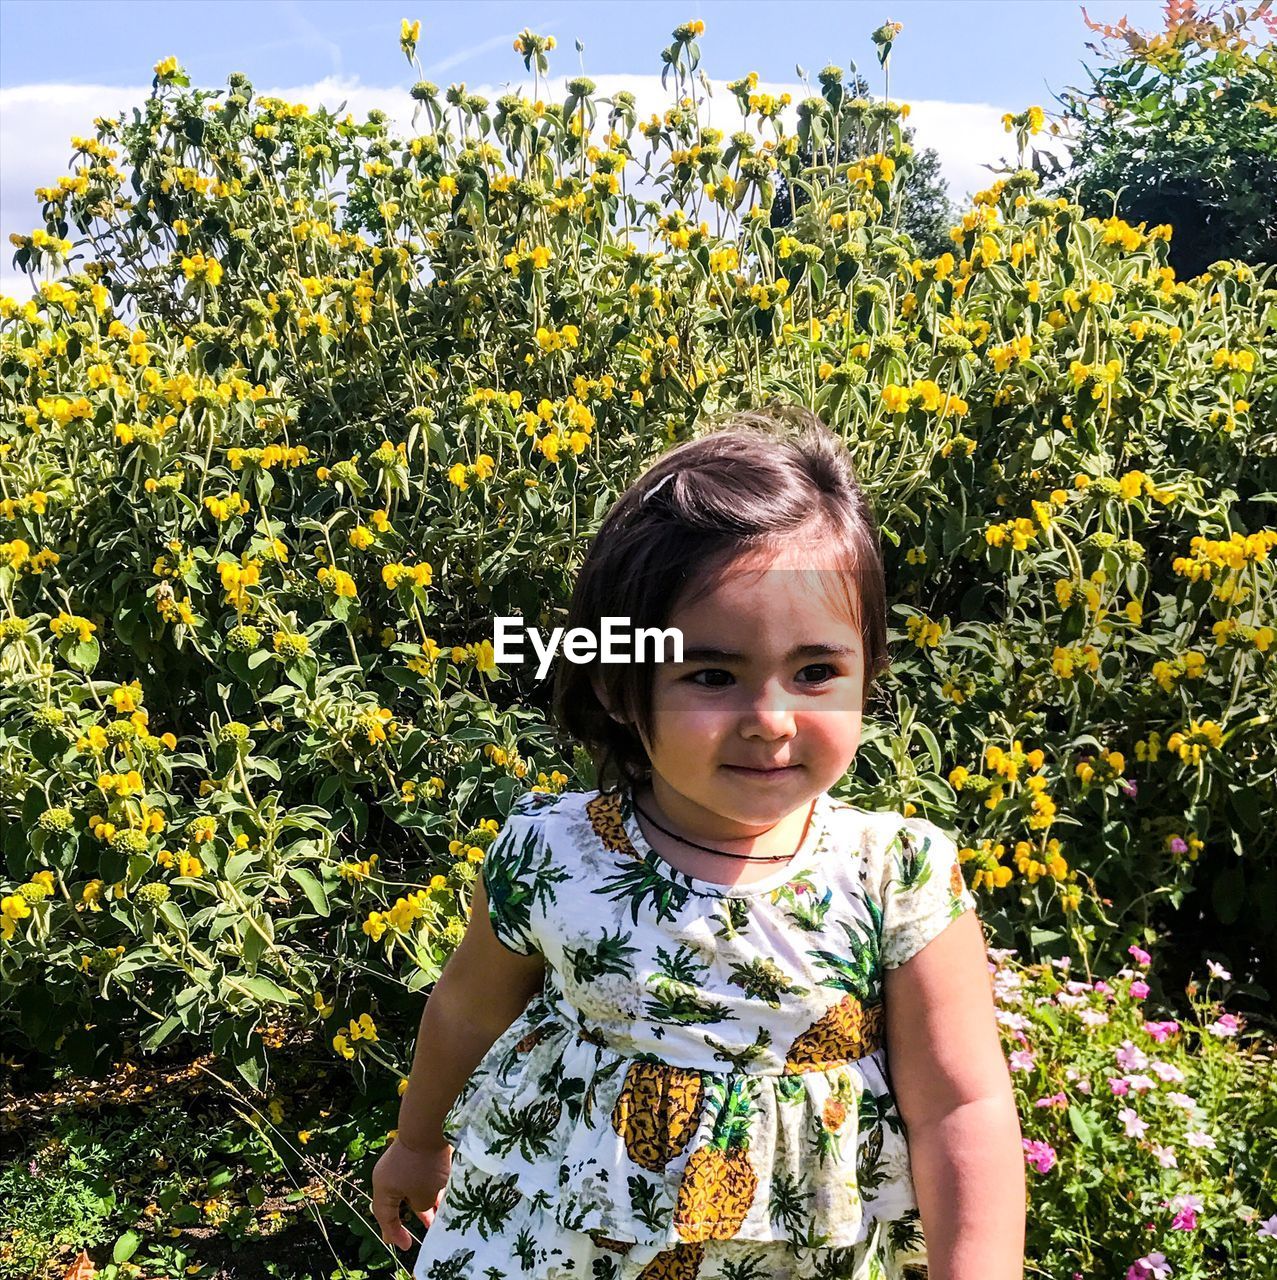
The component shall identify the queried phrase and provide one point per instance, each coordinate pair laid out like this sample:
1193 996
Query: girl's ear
601 693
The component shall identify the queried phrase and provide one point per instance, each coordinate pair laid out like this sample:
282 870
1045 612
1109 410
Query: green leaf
1082 1126
126 1246
158 1034
251 1069
236 865
269 992
254 945
82 654
311 887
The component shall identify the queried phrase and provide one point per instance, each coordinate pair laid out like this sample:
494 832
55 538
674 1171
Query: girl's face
764 712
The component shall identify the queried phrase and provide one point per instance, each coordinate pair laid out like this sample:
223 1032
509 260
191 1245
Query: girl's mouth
745 770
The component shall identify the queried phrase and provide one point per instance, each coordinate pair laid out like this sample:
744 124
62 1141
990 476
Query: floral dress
700 1089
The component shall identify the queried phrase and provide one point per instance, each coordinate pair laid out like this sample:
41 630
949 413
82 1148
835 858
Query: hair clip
656 486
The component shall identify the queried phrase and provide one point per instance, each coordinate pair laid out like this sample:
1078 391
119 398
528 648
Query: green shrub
308 404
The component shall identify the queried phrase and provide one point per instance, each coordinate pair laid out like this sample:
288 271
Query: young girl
661 1050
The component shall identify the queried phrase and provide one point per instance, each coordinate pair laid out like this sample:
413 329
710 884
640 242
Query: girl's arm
482 989
953 1089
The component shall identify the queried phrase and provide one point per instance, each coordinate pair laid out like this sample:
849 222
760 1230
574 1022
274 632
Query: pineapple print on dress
657 1111
534 1037
682 1262
641 885
608 820
719 1181
854 1027
832 1119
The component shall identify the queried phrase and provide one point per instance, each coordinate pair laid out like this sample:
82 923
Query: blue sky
964 50
959 63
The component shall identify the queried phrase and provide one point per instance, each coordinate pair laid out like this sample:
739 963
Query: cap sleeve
513 870
923 889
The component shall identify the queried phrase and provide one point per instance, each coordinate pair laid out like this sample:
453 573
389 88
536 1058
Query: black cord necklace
722 853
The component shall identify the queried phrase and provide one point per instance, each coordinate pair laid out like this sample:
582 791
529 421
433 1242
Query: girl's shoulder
546 806
878 838
869 830
557 816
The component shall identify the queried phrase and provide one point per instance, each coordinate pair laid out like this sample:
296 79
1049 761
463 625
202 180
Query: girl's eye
711 671
830 670
822 666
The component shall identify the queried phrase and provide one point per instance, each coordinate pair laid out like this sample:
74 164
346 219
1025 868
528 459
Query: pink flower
1225 1025
1218 971
1120 1086
1135 1127
1141 1083
1131 789
1040 1155
1161 1030
1130 1057
1167 1072
1200 1138
1139 990
1141 956
1152 1266
1178 845
1181 1100
1165 1156
1102 987
1187 1209
1269 1227
1052 1100
1023 1060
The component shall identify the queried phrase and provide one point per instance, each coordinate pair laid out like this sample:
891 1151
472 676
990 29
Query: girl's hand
416 1176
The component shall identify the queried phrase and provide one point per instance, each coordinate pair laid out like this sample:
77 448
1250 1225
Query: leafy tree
1179 128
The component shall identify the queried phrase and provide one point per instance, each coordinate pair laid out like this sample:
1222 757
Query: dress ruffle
632 1149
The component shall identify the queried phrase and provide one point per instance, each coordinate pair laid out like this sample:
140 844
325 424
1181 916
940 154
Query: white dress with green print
700 1090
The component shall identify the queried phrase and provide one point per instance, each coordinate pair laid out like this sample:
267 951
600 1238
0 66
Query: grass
169 1171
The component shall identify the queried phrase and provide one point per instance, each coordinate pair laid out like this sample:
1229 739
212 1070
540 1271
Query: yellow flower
12 909
895 399
923 632
198 267
339 581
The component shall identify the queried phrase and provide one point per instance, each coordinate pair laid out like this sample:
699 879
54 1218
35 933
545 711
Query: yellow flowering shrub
317 401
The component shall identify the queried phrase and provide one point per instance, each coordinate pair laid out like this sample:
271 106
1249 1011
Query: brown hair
745 486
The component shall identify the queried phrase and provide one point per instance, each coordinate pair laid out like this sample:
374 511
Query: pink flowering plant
1143 1132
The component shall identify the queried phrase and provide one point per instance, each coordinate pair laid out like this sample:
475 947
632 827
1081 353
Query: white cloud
37 122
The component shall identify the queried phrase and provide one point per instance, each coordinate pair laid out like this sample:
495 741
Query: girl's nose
769 713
